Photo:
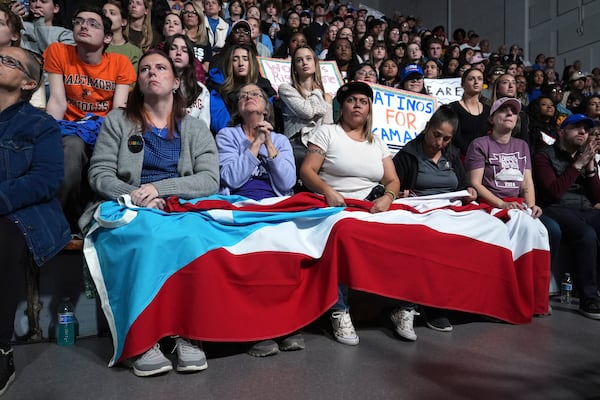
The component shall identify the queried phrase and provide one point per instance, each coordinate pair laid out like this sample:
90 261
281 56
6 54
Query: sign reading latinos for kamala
399 116
277 71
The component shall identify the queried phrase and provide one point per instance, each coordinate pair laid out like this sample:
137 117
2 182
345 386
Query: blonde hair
147 31
316 78
202 36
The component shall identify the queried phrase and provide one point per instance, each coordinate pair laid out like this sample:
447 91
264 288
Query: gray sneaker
153 362
190 357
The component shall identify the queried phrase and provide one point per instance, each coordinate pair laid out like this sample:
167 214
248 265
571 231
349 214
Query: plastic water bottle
566 289
65 328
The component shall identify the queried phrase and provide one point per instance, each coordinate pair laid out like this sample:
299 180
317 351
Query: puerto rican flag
226 268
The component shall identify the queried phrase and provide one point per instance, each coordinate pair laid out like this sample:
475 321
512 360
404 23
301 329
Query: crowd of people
163 98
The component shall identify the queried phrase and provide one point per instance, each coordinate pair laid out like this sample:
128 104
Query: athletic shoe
343 330
7 369
437 320
153 362
292 343
190 357
590 307
403 318
264 348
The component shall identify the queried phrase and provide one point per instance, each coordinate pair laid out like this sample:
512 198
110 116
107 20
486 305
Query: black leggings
12 272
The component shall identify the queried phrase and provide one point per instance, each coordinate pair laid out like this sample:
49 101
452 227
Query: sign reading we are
278 71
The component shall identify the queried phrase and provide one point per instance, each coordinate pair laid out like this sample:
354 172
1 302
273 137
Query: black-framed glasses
13 63
365 73
185 12
92 23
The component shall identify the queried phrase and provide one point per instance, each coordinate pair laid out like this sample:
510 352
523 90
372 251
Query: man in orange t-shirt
84 79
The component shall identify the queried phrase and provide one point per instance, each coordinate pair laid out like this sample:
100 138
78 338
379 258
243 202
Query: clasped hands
147 196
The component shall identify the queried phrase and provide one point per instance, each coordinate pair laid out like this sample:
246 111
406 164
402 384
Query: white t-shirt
352 168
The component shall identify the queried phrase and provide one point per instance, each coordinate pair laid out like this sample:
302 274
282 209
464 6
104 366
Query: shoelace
185 346
407 316
346 323
151 353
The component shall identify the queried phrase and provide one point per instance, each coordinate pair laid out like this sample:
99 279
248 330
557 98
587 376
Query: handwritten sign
445 90
278 71
399 116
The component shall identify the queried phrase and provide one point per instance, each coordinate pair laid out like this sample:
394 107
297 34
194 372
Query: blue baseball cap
576 119
410 70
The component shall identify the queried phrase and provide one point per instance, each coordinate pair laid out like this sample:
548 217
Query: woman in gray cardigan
150 151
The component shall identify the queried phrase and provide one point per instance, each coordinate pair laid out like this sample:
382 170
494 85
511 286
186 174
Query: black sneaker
7 369
590 307
437 320
292 343
264 348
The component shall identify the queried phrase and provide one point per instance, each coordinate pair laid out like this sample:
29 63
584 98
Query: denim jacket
31 171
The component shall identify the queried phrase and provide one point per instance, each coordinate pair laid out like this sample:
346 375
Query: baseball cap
478 59
241 23
508 101
353 87
575 76
577 118
411 70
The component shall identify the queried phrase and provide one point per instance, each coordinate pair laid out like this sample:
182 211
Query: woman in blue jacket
32 224
254 161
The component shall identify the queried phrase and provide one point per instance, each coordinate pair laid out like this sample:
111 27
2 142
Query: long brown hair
147 32
233 83
135 103
294 73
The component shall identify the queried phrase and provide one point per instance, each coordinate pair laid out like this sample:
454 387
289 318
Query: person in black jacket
427 165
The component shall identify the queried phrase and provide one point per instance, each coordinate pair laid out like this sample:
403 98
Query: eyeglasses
185 12
249 95
92 23
241 31
557 90
366 73
13 63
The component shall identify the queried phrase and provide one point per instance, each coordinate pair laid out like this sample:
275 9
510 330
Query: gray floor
557 357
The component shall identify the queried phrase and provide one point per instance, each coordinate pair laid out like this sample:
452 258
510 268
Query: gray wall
539 26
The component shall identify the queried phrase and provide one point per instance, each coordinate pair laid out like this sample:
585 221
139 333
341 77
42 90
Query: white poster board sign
277 71
399 116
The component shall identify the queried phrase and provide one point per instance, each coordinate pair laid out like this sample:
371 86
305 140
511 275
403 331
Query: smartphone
25 3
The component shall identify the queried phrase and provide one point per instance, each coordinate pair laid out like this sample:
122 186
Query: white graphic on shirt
508 169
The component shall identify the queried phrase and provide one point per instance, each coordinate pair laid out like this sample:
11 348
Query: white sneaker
190 357
152 362
343 330
402 319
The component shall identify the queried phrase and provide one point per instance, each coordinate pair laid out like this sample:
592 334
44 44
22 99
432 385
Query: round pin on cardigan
135 143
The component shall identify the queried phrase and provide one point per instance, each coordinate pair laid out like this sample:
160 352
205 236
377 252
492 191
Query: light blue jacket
237 163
